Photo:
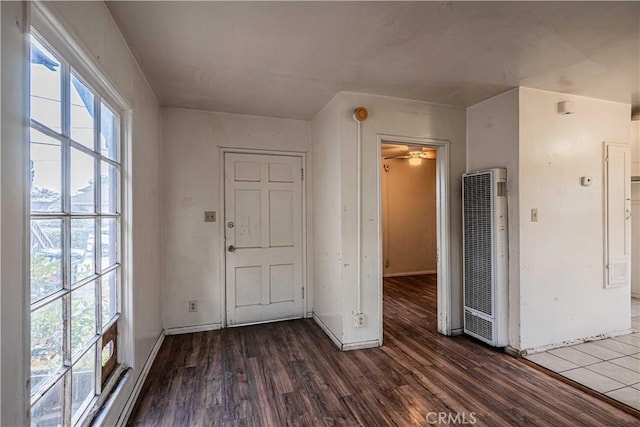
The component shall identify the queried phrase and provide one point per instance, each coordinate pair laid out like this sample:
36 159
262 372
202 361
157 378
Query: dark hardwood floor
289 373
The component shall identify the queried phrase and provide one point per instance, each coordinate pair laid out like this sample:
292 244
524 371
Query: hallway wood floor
290 373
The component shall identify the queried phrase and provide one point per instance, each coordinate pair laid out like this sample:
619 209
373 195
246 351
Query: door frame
443 220
221 226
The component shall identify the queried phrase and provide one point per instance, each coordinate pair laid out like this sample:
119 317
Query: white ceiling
289 59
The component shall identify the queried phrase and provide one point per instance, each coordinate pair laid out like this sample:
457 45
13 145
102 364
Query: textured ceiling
289 59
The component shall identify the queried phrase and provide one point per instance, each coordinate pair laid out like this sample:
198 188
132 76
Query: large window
75 239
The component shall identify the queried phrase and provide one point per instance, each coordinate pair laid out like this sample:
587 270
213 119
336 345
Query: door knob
231 248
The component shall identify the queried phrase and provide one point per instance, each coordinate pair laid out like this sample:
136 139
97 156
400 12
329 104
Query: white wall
399 117
388 116
409 217
556 267
562 255
327 218
492 141
193 252
1 138
92 27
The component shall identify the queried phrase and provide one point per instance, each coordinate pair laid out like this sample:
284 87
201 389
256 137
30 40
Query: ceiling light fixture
415 158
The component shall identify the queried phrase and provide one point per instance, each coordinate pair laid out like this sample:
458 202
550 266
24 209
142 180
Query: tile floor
610 366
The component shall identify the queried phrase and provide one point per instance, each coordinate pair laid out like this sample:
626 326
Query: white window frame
54 35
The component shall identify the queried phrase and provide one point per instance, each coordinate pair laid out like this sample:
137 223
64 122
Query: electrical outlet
193 306
209 216
358 320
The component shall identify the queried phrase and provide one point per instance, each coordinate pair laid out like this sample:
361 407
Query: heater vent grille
478 326
477 242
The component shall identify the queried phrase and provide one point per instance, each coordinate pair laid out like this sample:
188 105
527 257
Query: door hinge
302 174
303 292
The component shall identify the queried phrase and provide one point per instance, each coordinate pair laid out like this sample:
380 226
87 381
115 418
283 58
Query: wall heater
486 258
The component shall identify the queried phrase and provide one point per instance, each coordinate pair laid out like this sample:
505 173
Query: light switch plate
534 215
209 216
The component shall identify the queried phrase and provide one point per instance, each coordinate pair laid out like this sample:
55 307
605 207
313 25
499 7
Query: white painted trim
192 329
128 407
360 345
512 351
262 322
627 224
543 348
47 24
442 225
457 332
99 412
411 273
328 331
305 238
80 55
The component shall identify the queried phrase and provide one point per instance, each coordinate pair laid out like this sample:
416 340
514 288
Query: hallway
289 373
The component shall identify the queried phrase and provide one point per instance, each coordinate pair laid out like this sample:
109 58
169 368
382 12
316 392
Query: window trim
49 28
66 216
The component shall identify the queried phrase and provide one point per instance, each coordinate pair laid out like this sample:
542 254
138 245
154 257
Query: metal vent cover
478 224
478 325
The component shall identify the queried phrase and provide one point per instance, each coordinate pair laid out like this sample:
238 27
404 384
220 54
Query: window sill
110 393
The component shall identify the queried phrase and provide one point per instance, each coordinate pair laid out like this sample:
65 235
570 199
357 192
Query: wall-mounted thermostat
586 181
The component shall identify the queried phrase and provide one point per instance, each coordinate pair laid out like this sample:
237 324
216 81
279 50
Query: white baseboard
543 348
327 331
131 401
360 345
411 273
512 351
192 329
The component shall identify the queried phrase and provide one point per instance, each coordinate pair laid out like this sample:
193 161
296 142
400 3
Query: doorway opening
414 230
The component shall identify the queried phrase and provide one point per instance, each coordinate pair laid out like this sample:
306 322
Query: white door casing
263 234
442 225
617 201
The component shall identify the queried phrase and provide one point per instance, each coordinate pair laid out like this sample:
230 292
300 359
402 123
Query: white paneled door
263 230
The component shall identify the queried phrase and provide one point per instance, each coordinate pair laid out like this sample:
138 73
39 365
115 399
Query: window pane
83 316
109 190
48 410
46 343
109 133
82 185
46 257
46 181
109 296
109 242
45 87
82 114
83 380
82 248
